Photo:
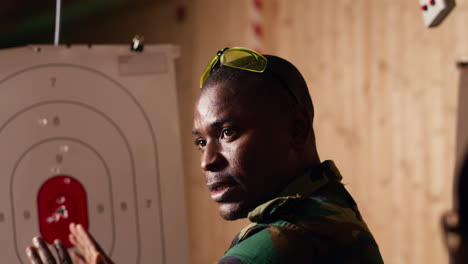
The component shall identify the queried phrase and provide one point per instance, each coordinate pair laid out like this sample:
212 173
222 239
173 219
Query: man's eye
227 133
200 142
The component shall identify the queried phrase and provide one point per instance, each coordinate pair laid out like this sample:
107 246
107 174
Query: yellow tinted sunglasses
235 57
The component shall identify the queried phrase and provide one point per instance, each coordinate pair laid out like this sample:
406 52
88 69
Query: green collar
301 187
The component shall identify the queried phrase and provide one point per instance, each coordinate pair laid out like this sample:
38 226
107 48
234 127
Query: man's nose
212 159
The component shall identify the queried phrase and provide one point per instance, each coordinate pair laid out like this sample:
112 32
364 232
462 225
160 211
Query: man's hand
88 250
39 253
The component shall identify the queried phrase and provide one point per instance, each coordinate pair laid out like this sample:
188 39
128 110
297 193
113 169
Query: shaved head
281 84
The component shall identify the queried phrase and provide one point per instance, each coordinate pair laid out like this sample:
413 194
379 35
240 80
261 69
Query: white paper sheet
108 118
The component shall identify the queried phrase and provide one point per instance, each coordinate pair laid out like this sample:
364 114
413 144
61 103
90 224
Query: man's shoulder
332 204
302 229
303 242
278 242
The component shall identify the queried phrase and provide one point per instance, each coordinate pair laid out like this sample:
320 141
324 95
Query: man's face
244 145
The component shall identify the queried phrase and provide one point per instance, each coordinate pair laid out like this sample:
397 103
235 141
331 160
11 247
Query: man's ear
301 128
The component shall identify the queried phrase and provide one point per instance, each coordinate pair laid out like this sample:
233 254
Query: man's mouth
223 191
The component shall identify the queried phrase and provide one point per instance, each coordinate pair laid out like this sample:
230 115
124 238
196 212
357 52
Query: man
253 127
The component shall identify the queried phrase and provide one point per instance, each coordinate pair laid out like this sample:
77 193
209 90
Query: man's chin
232 211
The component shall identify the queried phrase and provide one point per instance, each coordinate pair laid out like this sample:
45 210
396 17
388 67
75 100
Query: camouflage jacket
314 220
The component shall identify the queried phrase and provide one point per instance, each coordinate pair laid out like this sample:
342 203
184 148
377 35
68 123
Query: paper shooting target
91 135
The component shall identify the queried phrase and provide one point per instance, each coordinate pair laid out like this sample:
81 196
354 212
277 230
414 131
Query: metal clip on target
137 43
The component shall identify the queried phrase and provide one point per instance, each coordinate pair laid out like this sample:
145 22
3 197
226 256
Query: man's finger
72 228
90 238
99 254
43 251
76 243
33 256
75 238
77 258
84 243
62 253
83 235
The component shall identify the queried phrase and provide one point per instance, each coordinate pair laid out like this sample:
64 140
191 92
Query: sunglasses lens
207 71
244 59
237 57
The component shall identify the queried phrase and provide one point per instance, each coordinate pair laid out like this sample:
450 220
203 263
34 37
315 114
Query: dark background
25 22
